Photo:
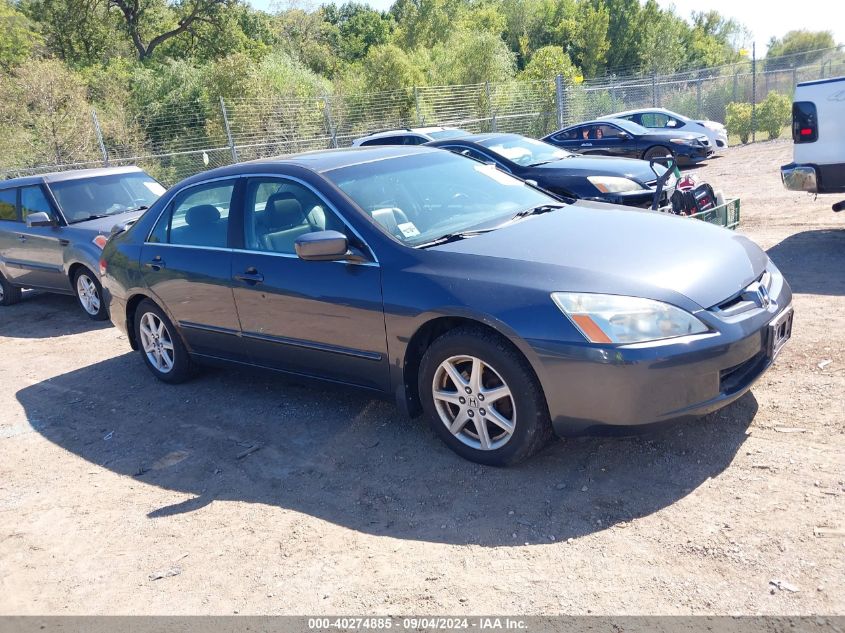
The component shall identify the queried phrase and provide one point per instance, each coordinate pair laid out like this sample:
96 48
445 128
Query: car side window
198 216
674 123
654 120
468 151
33 200
384 140
8 204
412 139
278 211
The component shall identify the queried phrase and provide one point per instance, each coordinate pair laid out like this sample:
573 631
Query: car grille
743 300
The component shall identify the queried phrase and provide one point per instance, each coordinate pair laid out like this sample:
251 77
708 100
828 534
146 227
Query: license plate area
780 331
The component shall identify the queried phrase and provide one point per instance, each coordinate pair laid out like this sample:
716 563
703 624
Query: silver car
53 228
667 121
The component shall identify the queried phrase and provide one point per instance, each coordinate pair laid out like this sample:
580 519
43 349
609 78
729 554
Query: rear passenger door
319 318
186 263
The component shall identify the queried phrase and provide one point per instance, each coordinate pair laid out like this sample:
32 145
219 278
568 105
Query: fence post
420 120
228 131
559 96
100 140
653 88
327 110
613 92
698 97
490 110
753 92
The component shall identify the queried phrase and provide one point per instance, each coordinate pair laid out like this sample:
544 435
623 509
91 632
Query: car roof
408 130
72 174
644 111
476 138
319 161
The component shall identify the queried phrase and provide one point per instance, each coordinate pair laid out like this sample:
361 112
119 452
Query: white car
409 136
662 119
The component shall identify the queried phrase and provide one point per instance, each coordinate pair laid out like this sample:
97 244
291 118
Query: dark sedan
600 178
477 299
622 138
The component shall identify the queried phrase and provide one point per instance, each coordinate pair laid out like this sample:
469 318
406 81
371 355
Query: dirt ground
122 495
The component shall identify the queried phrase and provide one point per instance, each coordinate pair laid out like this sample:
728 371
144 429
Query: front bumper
630 385
692 155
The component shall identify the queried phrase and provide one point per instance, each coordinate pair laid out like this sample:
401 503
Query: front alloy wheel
160 344
89 293
474 402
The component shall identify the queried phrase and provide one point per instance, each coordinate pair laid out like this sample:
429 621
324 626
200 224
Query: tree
547 63
472 57
774 114
798 48
20 39
359 28
590 42
168 20
738 120
713 40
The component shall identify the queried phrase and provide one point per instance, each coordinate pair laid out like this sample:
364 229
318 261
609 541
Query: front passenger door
318 318
37 253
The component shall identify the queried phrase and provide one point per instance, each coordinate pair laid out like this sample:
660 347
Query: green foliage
738 120
774 114
19 40
471 57
590 42
547 63
798 48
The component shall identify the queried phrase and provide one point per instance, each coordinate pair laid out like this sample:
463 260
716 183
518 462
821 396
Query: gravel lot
122 495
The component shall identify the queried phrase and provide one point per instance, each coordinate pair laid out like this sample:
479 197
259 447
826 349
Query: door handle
250 276
156 264
586 144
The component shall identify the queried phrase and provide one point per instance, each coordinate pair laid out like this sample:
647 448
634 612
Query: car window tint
33 200
411 139
197 217
468 151
605 131
8 203
674 123
384 140
278 211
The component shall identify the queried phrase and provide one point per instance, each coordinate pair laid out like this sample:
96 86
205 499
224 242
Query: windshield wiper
143 207
543 208
454 237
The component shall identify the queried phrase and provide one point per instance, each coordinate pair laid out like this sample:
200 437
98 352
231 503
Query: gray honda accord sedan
500 312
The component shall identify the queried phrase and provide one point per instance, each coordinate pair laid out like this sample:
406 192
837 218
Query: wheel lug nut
467 389
470 413
482 412
462 400
481 396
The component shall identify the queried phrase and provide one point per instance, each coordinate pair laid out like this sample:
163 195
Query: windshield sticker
155 188
408 229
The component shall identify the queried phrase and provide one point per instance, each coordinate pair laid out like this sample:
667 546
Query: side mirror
322 246
39 219
624 136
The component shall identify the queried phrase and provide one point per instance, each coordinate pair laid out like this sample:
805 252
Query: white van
818 130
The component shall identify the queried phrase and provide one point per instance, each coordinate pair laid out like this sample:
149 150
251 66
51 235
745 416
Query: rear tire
89 294
160 345
9 294
482 398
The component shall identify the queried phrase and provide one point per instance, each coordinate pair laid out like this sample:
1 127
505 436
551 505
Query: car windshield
426 196
524 151
99 196
451 133
630 126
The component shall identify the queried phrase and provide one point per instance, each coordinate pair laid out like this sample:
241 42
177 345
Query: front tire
482 398
89 294
160 345
9 294
658 151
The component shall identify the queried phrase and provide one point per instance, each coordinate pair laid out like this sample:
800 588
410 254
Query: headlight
618 319
684 141
613 184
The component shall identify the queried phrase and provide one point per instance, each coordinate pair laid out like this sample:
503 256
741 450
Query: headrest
202 215
283 211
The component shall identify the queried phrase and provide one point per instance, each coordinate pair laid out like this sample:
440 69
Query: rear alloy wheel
482 399
162 349
89 293
9 294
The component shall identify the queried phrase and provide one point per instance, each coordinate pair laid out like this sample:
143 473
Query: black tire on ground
9 294
658 151
102 312
532 428
182 367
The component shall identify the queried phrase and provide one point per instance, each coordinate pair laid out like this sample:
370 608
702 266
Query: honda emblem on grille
763 296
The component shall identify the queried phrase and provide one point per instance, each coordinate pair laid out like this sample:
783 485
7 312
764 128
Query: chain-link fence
173 142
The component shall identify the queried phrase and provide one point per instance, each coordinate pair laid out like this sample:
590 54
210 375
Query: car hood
608 248
104 225
638 170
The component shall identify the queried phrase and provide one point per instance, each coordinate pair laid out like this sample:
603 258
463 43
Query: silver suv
409 136
53 228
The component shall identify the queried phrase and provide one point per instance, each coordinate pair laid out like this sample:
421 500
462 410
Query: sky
765 19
